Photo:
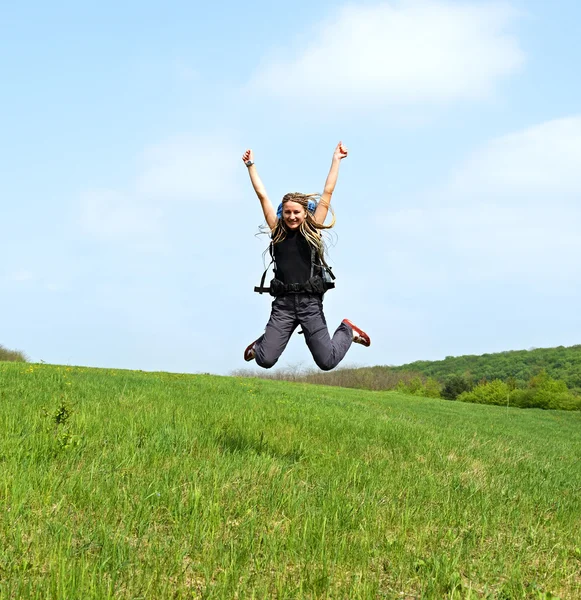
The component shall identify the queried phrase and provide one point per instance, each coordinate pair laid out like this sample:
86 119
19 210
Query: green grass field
122 484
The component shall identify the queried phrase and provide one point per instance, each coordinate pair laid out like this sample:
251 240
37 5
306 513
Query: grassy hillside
120 484
562 363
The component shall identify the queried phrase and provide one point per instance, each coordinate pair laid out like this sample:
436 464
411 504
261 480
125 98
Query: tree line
12 355
548 378
561 363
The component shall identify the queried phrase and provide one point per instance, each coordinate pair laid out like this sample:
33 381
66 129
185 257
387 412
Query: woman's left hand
340 151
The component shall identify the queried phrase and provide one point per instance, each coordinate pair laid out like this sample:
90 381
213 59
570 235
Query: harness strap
261 289
328 268
323 265
315 285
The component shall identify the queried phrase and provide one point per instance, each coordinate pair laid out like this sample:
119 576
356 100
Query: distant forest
548 378
562 363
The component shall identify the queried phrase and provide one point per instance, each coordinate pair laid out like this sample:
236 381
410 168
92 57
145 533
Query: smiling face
293 214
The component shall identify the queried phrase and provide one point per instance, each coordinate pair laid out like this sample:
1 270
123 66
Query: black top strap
326 266
261 289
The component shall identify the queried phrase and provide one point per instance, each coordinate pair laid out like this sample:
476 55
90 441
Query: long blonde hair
310 229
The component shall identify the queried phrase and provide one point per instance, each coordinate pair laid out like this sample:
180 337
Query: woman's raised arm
267 207
325 201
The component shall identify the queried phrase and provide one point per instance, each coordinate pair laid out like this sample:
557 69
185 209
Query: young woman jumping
301 275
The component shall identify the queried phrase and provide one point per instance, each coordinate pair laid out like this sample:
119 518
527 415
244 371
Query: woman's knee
264 361
325 365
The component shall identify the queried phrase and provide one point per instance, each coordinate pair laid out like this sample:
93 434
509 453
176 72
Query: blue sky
127 222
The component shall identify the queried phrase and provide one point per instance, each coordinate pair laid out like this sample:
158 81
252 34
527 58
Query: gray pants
306 310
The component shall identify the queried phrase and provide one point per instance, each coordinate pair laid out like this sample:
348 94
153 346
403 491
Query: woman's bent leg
327 352
278 330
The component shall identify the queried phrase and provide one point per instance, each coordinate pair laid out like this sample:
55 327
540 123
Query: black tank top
292 257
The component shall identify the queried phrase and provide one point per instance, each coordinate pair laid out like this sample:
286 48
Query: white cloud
413 51
109 214
540 162
21 276
187 170
511 212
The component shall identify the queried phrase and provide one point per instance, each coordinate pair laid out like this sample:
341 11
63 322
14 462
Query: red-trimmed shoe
359 336
249 353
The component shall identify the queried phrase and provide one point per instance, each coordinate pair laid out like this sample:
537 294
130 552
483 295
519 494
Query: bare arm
325 201
267 207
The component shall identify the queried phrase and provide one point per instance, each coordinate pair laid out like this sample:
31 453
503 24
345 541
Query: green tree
493 392
456 385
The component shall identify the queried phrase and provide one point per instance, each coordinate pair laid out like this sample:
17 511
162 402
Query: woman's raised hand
248 155
340 151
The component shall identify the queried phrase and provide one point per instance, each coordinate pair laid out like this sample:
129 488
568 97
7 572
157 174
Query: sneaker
249 353
359 336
